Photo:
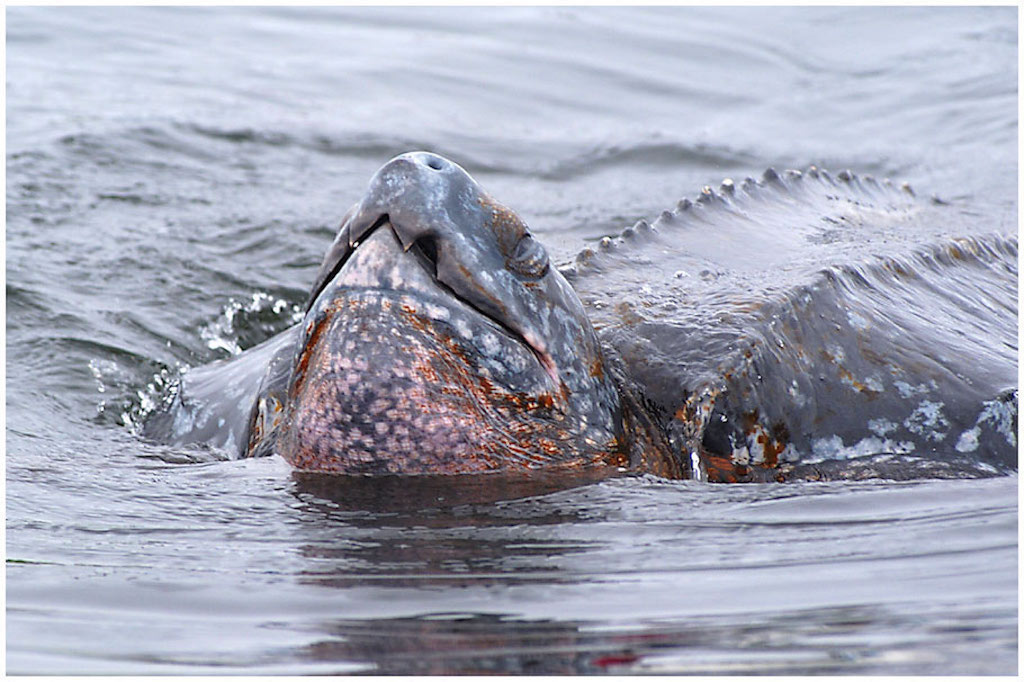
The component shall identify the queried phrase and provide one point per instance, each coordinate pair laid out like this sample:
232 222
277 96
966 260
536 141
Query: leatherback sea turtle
801 326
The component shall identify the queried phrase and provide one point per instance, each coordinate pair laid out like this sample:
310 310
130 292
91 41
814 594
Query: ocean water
173 178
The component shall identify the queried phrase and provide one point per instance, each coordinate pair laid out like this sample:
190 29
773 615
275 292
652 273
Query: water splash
240 321
160 391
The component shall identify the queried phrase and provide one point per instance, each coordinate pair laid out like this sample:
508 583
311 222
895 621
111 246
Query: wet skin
802 326
439 339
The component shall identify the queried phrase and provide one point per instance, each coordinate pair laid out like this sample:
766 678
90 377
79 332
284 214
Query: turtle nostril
434 162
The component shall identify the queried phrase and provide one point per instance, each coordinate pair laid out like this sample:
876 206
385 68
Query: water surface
173 178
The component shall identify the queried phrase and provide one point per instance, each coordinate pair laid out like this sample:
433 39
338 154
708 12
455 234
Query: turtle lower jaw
397 383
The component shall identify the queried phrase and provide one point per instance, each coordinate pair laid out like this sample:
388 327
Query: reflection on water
443 531
259 572
357 495
840 640
168 166
756 580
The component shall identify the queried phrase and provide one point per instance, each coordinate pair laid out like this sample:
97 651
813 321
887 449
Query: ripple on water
173 177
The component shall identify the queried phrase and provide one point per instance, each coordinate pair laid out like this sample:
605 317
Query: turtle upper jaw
407 274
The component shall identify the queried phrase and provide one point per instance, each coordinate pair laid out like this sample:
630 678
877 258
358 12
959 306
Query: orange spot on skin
627 314
861 387
507 226
548 446
618 456
303 365
720 469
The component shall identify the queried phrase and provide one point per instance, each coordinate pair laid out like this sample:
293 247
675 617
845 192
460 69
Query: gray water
173 178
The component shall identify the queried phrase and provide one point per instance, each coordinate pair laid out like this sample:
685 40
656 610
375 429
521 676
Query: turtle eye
529 258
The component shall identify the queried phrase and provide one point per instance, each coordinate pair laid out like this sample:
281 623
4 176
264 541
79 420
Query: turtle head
439 338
